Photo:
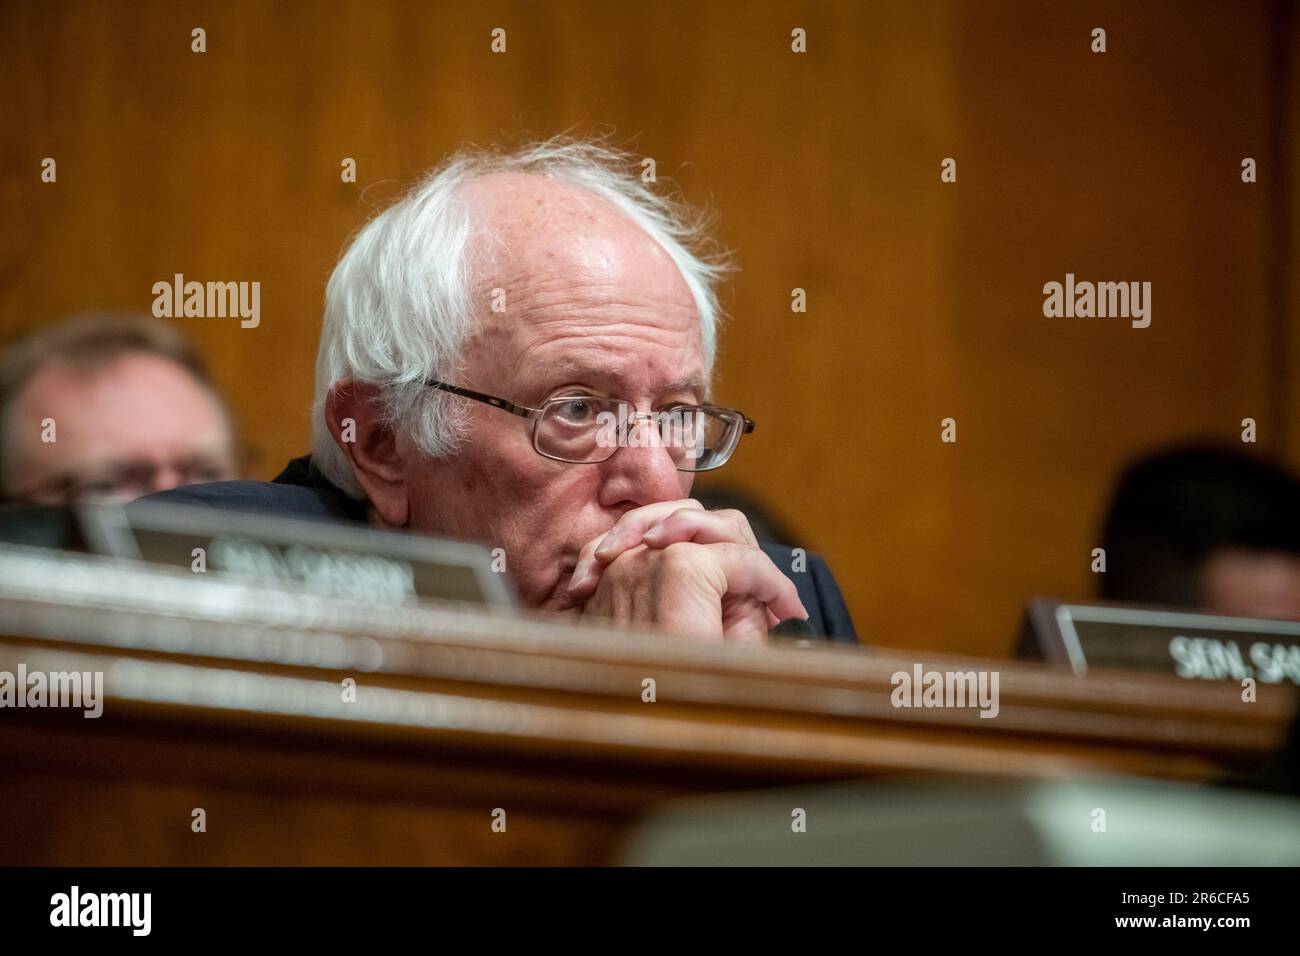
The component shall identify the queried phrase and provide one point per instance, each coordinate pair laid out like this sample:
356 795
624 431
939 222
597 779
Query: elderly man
519 353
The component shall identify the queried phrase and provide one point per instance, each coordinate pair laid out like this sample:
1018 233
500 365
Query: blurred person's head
1207 528
548 273
108 406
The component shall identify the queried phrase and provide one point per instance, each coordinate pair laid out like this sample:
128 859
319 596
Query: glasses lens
580 429
586 429
700 439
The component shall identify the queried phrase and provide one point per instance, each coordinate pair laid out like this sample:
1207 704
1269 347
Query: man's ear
354 416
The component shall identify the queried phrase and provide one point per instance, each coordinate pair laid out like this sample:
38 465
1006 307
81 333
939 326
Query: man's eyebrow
692 383
577 370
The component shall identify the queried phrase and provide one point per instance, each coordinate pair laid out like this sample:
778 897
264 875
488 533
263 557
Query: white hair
398 310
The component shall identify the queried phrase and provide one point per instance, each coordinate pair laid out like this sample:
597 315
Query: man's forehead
529 229
515 214
566 280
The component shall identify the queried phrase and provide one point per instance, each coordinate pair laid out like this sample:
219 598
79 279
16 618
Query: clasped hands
686 570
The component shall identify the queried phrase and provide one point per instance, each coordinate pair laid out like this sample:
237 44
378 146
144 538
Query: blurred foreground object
1082 822
353 561
1191 645
315 729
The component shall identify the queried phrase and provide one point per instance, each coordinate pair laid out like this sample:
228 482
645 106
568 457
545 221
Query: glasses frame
68 488
525 411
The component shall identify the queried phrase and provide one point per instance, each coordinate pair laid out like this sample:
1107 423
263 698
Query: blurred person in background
1206 528
108 406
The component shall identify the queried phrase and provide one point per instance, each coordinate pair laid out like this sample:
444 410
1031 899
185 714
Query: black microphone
793 627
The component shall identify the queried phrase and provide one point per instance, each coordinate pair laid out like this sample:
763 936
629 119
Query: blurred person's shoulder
300 491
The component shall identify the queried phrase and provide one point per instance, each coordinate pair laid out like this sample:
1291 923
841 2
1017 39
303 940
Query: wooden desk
227 696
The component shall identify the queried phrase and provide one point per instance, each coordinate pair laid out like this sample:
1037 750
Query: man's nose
642 471
165 478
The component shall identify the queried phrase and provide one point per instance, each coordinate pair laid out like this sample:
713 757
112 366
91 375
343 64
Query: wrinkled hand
689 571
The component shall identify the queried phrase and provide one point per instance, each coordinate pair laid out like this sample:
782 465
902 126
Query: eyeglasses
123 481
126 480
586 429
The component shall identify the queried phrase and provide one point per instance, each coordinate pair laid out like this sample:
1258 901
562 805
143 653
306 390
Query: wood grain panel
225 695
924 298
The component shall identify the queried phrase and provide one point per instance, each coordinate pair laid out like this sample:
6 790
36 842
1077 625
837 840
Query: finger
736 569
750 571
746 637
625 533
631 527
745 620
702 527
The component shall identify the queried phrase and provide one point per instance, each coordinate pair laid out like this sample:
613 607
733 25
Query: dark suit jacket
301 491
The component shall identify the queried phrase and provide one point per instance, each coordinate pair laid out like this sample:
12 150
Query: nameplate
342 560
1184 643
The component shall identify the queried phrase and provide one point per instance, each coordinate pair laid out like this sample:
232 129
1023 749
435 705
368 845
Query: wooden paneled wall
924 298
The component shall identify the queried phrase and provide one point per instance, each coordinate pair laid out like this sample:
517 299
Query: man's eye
197 474
575 411
98 486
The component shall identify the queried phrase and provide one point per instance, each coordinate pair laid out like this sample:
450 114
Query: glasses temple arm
522 410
